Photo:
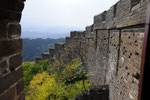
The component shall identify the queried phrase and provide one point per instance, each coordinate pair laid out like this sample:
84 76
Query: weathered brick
9 95
14 29
10 47
21 96
3 29
15 5
20 87
15 61
10 79
10 15
3 67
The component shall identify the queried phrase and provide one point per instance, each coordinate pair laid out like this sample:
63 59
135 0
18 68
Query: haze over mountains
35 47
54 32
38 39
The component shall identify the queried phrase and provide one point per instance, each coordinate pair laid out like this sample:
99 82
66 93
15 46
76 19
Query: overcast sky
72 13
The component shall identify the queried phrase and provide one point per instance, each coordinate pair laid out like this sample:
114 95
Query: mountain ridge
35 47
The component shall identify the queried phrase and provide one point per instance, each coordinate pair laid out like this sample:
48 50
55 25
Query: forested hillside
34 47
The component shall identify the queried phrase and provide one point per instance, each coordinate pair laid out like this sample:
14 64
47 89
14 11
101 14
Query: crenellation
80 34
77 34
37 59
52 52
89 28
59 46
73 34
67 40
100 20
45 55
59 49
121 15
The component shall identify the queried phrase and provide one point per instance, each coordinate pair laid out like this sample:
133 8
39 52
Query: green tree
31 69
56 84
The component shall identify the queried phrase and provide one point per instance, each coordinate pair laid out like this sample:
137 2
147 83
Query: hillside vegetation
34 47
55 81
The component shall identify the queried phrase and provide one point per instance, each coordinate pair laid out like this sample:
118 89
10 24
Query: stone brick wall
76 39
113 57
11 71
114 53
94 93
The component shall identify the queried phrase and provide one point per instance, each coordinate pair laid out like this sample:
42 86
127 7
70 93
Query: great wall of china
114 57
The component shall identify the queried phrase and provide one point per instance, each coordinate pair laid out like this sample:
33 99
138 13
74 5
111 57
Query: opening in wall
134 3
104 16
115 10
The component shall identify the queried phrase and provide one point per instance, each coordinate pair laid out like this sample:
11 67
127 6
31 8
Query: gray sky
72 13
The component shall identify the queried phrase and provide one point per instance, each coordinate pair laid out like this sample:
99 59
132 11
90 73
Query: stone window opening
52 55
103 17
134 4
115 10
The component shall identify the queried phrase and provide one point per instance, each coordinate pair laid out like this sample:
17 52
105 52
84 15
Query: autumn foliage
57 81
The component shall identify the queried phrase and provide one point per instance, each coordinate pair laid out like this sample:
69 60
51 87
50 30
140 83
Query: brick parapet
115 55
11 72
122 14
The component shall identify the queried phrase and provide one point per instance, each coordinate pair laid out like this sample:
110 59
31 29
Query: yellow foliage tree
39 86
53 86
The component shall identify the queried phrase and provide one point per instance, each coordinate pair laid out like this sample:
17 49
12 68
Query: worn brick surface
10 47
45 55
129 63
94 93
15 5
20 87
113 55
9 95
14 29
10 15
15 62
3 29
3 67
96 62
21 96
10 79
